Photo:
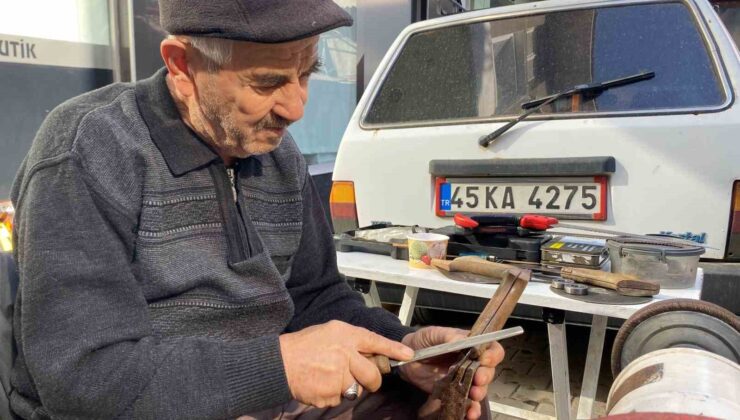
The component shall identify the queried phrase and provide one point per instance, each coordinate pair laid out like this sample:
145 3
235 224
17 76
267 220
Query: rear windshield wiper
594 89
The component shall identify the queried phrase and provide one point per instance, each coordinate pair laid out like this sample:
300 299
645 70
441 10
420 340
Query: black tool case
506 247
347 242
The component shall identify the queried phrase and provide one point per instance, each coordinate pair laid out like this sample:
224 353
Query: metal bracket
553 316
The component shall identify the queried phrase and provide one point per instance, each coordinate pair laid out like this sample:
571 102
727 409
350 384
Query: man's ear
174 54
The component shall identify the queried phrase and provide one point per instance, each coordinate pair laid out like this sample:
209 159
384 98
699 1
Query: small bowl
424 247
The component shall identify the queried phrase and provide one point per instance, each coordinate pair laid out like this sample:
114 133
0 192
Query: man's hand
322 361
425 373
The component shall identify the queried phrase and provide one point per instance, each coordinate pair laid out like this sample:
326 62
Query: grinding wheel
677 323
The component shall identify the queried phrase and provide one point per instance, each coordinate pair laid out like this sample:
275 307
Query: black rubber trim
596 165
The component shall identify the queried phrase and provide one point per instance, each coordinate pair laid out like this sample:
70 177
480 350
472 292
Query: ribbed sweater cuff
387 325
255 375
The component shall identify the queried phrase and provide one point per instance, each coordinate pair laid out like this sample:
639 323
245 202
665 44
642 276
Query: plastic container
424 247
673 266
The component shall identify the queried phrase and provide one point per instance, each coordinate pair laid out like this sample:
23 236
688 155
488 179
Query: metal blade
460 345
469 277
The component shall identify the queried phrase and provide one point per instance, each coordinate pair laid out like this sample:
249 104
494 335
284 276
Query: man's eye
265 87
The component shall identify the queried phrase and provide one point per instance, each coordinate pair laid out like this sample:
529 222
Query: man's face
247 105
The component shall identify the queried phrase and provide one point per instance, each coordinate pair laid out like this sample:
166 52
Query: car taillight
6 226
733 246
342 206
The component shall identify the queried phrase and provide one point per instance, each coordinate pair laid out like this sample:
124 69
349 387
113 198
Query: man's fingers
332 402
483 376
449 335
493 355
371 343
348 381
365 372
477 393
474 411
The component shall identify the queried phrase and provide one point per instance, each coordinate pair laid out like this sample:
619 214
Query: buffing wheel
677 323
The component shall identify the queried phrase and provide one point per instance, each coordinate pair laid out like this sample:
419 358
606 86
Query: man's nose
291 103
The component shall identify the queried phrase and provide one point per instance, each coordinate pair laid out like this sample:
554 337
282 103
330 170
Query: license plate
566 198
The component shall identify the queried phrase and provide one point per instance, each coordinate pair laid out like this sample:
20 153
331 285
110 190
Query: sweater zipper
225 180
233 174
232 178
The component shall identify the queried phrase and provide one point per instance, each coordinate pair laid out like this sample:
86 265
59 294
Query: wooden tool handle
623 283
382 362
480 266
454 389
594 277
502 303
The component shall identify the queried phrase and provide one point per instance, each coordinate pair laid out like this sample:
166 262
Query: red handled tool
535 222
505 223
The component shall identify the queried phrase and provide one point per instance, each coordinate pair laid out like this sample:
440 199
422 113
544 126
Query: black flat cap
266 21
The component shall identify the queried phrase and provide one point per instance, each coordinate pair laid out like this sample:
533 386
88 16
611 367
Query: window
729 12
488 69
50 51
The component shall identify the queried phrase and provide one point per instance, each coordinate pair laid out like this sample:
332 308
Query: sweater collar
181 148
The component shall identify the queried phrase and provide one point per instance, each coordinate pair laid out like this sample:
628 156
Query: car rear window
488 69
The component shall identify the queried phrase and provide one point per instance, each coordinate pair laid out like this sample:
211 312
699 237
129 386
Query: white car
655 150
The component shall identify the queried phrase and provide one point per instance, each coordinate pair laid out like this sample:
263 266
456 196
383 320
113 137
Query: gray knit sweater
148 289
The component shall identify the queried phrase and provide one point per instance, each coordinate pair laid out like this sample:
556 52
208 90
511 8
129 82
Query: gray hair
216 52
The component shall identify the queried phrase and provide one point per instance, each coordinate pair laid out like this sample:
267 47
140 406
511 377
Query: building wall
49 51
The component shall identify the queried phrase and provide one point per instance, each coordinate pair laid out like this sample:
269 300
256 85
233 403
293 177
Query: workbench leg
520 413
372 298
408 304
593 365
555 319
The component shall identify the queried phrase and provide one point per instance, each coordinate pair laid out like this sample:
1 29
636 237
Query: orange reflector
342 192
6 226
342 206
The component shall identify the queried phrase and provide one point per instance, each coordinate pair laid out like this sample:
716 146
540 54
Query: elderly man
174 258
